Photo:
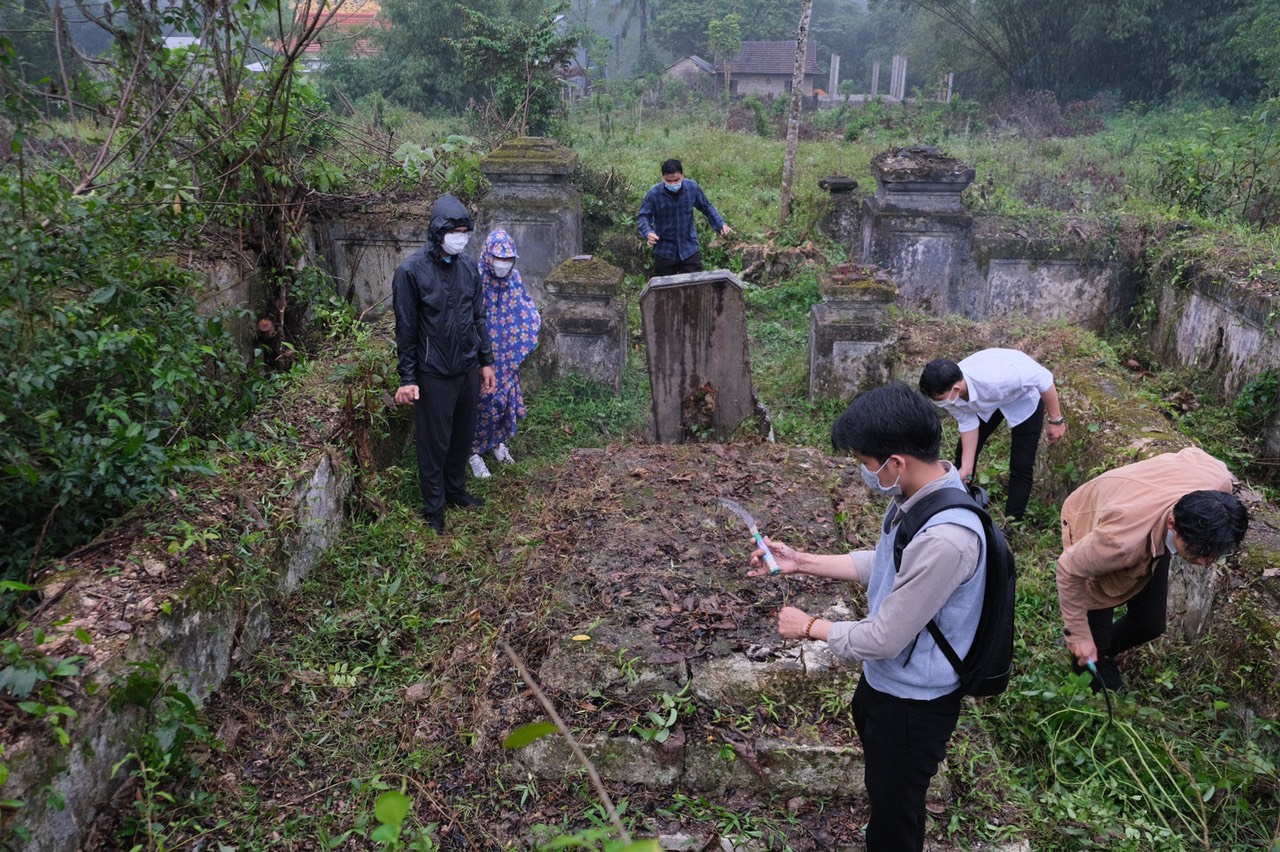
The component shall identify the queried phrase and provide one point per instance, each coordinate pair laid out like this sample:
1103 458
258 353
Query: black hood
447 214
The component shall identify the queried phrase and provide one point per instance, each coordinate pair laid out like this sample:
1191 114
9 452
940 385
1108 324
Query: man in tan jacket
1119 531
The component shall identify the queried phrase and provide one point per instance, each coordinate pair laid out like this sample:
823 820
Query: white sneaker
502 454
478 469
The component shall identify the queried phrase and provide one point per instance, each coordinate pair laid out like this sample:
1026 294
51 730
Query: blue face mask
871 479
673 187
1169 545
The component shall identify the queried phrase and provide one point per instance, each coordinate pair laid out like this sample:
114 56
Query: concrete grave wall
232 283
947 262
194 625
196 644
362 253
1225 328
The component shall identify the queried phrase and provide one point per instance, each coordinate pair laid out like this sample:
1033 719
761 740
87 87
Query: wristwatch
1058 421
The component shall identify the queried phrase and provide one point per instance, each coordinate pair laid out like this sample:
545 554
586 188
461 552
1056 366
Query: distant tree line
1141 49
1147 50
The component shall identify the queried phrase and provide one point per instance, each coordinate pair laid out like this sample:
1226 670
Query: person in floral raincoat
513 328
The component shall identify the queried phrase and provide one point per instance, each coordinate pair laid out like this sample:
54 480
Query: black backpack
985 670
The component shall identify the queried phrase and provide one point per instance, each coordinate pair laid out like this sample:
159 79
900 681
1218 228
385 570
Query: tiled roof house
765 68
353 24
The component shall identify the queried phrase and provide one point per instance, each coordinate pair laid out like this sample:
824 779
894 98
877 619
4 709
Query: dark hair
939 376
670 167
889 420
1212 523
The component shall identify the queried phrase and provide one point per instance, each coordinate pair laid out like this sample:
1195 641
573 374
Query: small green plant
627 665
1257 400
453 164
656 725
740 827
161 757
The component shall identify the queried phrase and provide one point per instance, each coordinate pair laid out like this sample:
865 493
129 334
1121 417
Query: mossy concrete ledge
190 613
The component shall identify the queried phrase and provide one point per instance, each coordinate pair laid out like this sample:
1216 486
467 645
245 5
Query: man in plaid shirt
666 221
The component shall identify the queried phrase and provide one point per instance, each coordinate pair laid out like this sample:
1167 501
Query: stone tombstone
1191 593
841 222
851 342
916 226
584 325
695 334
532 196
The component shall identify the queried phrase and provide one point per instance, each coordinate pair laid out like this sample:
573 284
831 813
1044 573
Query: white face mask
871 479
502 268
455 243
1168 544
946 402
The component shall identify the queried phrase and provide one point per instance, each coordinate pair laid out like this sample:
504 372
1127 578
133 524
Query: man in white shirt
986 388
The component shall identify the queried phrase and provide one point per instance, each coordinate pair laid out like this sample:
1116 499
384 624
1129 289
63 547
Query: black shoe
435 520
1109 672
464 501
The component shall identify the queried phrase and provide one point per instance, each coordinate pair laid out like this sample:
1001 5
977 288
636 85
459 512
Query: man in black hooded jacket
445 357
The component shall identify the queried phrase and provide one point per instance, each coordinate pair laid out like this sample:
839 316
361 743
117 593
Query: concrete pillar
533 198
875 78
851 340
916 226
833 79
898 82
584 325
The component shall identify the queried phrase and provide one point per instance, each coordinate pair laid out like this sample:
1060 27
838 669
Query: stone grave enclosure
657 580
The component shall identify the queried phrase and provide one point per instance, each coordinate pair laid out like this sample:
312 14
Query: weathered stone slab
695 331
768 765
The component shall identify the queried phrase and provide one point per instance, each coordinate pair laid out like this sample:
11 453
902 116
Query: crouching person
1119 532
908 700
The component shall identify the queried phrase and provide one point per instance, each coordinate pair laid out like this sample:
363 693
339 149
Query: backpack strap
911 523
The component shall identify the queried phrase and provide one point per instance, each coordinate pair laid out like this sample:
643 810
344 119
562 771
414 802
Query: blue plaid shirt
670 215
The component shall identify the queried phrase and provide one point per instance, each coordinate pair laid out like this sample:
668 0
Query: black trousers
1024 440
444 422
903 741
663 266
1144 618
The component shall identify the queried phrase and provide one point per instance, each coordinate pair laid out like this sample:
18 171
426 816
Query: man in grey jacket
908 700
445 357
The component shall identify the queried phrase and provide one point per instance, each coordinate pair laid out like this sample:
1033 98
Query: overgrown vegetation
114 382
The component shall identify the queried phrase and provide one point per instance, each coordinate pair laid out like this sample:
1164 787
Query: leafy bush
110 378
1225 169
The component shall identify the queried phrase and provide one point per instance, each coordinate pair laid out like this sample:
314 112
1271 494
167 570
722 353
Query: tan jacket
1113 529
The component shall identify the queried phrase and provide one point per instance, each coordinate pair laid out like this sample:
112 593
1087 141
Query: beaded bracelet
809 627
